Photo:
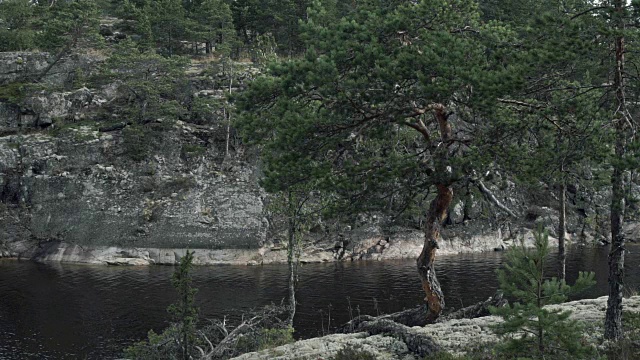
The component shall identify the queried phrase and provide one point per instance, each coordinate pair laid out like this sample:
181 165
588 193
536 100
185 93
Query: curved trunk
435 216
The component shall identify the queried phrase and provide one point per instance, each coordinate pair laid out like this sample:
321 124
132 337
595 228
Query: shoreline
403 245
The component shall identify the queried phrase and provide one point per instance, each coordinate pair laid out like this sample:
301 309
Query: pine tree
137 22
16 25
277 18
623 122
150 84
169 25
531 328
66 26
555 114
184 311
214 25
368 111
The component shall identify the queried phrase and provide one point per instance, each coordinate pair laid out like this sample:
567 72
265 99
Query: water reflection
70 311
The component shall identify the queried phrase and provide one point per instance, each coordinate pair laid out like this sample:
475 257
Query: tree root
400 323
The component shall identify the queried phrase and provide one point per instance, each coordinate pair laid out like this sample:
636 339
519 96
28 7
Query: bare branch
489 195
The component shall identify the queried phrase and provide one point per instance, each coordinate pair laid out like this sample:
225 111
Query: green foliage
69 24
342 115
156 347
137 142
184 312
138 23
213 24
204 110
12 92
192 150
17 92
151 86
280 18
168 24
531 329
16 25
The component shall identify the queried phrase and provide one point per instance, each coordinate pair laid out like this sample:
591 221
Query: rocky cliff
67 187
71 191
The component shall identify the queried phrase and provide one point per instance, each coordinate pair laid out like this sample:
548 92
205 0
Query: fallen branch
478 310
489 195
417 316
223 343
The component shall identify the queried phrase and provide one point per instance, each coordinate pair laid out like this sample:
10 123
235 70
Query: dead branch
492 198
477 310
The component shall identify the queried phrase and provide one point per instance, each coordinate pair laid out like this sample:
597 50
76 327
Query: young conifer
184 311
529 327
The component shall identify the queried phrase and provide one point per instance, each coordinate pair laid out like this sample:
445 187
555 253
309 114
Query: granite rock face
76 190
19 66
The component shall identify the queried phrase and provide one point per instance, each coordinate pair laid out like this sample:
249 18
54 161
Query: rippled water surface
77 311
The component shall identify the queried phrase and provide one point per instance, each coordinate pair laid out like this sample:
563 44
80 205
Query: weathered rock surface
453 336
80 197
383 347
69 192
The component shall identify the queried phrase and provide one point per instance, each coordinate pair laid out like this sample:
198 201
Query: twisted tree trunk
436 214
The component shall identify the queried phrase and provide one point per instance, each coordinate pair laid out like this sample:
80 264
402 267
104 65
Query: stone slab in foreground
452 336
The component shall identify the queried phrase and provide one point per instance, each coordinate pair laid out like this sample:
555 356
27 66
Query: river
66 311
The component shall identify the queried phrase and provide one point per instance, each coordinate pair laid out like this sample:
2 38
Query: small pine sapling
531 329
184 311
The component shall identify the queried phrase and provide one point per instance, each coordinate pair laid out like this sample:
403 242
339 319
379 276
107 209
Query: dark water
54 311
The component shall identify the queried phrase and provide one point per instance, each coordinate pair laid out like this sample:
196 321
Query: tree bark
291 251
436 214
562 228
226 151
613 319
